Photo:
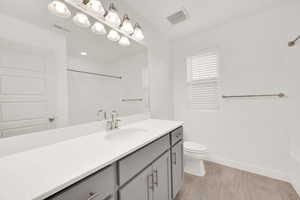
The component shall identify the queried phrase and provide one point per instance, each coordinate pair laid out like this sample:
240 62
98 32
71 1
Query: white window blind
202 78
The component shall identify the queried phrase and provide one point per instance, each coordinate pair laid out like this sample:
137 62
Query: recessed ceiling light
83 53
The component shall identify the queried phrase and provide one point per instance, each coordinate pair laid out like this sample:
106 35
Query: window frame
190 83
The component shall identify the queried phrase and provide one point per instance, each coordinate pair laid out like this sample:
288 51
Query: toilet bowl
194 154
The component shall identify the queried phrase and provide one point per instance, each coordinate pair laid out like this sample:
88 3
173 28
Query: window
202 78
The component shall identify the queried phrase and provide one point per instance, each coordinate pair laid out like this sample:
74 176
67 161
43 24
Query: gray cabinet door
177 168
162 178
140 188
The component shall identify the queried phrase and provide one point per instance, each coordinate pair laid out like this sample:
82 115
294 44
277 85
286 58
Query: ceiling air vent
178 17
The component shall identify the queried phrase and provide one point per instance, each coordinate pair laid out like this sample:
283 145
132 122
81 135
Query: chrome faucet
104 115
114 122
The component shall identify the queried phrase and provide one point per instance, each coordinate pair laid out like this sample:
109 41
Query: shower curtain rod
96 74
280 95
293 42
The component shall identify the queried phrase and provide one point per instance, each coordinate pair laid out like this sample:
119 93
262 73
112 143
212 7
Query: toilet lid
194 147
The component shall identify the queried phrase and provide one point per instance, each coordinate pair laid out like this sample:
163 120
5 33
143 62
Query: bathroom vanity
139 161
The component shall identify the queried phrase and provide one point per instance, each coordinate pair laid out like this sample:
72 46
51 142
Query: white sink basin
126 133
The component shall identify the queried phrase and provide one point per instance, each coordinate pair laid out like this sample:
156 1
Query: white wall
134 84
292 61
160 69
248 134
22 33
89 93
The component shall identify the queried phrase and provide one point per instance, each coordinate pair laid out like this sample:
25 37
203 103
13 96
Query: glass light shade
124 41
113 35
138 33
59 9
98 28
81 20
112 16
96 7
127 26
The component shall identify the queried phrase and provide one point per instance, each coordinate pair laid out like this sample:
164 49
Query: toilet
194 154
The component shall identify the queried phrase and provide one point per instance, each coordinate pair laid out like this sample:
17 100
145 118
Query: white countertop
41 172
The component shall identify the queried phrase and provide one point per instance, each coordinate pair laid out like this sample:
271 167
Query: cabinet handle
174 158
150 182
93 195
155 180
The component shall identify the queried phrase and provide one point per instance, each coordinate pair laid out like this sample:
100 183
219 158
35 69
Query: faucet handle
109 125
115 113
104 114
117 125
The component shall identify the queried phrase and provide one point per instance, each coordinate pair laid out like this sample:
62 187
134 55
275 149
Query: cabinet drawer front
176 135
97 187
134 163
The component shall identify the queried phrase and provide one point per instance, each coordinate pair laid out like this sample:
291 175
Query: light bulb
59 9
113 35
138 33
112 16
127 26
124 41
98 28
96 7
81 20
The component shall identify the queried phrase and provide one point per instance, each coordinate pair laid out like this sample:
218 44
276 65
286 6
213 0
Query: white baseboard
295 179
250 168
296 187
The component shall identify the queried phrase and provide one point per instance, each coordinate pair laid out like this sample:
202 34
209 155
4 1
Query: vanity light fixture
112 16
81 20
96 7
113 36
138 33
83 53
126 25
98 28
104 19
124 41
59 9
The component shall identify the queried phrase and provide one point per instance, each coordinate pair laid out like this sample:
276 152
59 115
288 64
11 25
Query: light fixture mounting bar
82 8
85 2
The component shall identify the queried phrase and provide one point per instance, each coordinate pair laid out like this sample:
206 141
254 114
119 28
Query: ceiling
203 14
99 48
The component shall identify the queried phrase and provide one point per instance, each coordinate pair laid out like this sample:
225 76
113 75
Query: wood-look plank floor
224 183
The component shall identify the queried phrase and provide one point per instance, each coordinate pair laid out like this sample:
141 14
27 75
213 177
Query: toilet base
194 167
